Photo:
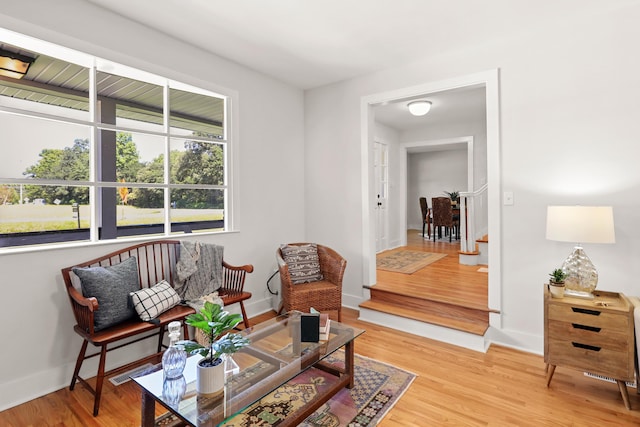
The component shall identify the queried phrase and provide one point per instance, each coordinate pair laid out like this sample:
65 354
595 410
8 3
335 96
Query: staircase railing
473 218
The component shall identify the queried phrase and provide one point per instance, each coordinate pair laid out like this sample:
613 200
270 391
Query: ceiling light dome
419 108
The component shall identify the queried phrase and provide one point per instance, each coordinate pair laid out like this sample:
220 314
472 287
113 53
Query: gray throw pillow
111 286
303 262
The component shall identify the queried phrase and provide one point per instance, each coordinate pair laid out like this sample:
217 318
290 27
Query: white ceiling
311 43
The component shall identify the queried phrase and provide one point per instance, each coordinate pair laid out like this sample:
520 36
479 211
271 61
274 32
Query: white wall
41 354
569 131
470 126
429 175
436 178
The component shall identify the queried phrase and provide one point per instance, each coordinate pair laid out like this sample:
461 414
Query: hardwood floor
445 293
446 280
454 387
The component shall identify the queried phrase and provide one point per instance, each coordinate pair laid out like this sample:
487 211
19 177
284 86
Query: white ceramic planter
556 291
210 380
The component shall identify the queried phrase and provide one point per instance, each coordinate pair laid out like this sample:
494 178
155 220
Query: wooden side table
592 335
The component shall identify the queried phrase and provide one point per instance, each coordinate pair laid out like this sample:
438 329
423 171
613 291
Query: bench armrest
83 309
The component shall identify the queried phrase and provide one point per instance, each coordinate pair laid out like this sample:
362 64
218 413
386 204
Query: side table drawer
589 317
611 339
595 359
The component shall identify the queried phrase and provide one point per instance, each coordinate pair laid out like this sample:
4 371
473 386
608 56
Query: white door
381 170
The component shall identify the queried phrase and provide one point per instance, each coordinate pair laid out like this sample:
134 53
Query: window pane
140 211
62 88
131 103
138 157
195 114
197 210
46 214
43 149
196 162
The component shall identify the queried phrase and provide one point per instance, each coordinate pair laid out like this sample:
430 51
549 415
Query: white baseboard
439 333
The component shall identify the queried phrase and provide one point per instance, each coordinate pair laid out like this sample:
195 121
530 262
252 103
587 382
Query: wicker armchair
324 295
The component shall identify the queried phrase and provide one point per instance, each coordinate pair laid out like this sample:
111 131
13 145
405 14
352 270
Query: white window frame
95 64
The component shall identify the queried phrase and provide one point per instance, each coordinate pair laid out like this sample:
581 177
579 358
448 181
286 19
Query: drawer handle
585 346
585 327
585 311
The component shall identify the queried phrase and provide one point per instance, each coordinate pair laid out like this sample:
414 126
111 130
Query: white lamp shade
419 108
580 224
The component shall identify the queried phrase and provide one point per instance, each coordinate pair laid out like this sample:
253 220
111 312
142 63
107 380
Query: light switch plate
507 200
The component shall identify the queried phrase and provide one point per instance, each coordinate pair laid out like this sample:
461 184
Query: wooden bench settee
156 261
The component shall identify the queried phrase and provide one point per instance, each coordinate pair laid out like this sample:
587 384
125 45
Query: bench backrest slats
156 261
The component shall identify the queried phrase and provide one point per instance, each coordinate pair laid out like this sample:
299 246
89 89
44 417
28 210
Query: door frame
405 149
490 80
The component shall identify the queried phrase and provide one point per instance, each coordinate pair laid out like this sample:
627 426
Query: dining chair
426 216
443 217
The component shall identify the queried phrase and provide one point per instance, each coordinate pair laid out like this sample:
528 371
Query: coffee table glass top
275 355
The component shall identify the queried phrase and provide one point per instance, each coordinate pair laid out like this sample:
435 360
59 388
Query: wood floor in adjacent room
445 280
454 387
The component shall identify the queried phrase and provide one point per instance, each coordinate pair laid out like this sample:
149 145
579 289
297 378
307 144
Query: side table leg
349 363
551 369
625 393
148 413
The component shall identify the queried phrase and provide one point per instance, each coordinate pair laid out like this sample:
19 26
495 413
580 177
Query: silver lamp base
582 277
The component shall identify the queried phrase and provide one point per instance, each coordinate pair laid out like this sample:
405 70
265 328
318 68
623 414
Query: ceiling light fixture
13 64
419 108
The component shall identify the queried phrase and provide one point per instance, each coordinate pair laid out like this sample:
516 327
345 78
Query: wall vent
611 380
125 376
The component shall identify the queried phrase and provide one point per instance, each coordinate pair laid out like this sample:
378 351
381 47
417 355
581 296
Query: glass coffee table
276 355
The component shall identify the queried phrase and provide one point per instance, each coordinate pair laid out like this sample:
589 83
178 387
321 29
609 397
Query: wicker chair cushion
111 286
303 262
152 302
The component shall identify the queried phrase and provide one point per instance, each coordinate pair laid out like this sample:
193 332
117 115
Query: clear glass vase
174 358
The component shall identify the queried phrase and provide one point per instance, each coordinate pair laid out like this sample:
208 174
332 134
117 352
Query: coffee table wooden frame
213 412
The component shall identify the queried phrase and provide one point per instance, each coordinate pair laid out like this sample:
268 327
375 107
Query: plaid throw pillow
303 262
152 302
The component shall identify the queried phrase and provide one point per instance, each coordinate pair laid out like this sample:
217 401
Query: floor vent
125 376
611 380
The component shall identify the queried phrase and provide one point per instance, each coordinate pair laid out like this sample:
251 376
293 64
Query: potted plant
213 321
453 195
556 283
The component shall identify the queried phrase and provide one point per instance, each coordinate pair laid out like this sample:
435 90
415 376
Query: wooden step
484 239
460 324
435 305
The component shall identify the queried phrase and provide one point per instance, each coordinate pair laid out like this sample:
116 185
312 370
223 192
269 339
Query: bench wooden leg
245 319
79 361
160 337
99 380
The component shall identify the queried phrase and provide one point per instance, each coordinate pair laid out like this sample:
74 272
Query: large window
93 150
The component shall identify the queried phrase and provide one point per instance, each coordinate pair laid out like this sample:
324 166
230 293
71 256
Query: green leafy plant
213 321
558 275
453 195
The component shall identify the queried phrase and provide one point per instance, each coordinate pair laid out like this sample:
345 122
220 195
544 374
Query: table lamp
580 224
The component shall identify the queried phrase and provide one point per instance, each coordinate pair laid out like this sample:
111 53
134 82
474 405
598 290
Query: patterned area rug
377 388
405 261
